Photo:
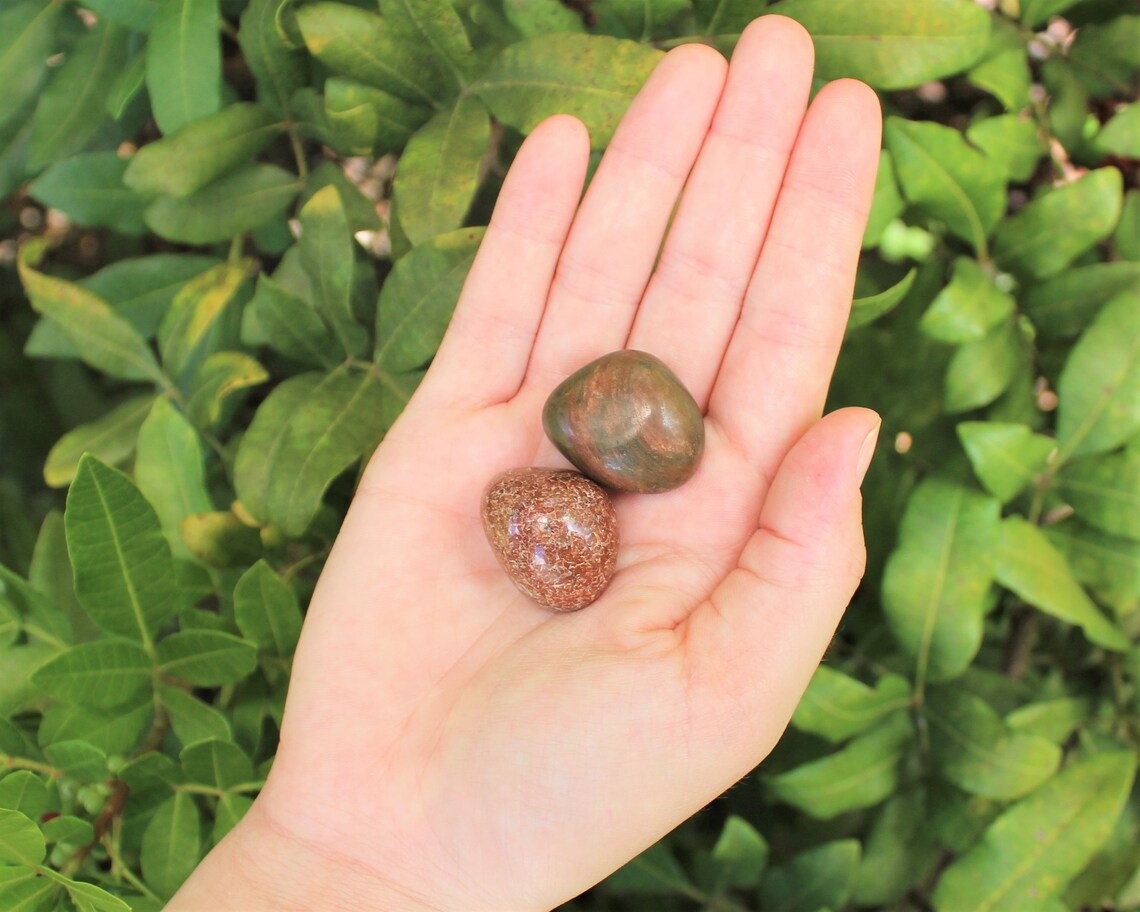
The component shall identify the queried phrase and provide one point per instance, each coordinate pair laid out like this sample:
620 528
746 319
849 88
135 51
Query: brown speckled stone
554 532
627 422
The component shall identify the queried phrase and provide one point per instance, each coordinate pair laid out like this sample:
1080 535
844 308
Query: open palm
449 744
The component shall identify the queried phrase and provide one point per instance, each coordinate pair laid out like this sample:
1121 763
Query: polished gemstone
554 532
627 422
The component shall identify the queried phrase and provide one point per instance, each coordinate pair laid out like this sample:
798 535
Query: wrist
258 867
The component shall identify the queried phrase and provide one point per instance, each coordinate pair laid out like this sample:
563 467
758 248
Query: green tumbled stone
627 422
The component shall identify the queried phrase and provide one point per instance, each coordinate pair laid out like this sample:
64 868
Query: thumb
758 639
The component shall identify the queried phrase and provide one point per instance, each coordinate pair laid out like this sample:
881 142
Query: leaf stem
33 765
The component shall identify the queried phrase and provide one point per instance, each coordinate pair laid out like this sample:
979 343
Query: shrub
223 264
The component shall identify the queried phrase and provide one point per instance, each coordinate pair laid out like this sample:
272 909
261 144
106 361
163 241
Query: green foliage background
232 297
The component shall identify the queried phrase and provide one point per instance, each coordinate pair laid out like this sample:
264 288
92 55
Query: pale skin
447 743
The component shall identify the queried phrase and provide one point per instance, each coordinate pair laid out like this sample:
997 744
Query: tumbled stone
627 422
554 532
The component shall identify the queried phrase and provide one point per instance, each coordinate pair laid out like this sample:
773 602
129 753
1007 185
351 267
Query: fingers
694 297
753 645
484 355
617 232
776 370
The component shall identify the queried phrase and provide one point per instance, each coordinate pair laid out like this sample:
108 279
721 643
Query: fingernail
866 452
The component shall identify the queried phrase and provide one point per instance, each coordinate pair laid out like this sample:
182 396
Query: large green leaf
955 183
28 29
100 675
1006 76
886 202
89 188
1006 457
857 776
359 44
1032 850
1099 408
206 658
1105 491
110 437
365 119
113 733
593 77
892 44
21 841
25 792
202 151
124 574
836 706
191 718
740 854
337 423
191 326
170 470
217 386
936 580
1053 720
239 202
1042 238
1030 566
71 109
278 69
435 26
898 852
439 171
968 307
655 871
1009 140
22 889
1108 565
1065 304
981 371
266 611
292 326
171 844
978 753
184 62
104 339
816 879
221 764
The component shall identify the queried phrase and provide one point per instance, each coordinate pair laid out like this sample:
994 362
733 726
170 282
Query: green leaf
171 844
110 437
436 27
936 579
1053 720
817 879
359 209
976 751
266 611
21 841
228 813
366 120
1127 236
869 308
124 574
67 828
593 77
22 889
89 188
112 733
127 86
1006 76
1065 304
1032 850
73 106
291 325
1028 565
981 371
836 706
1005 457
104 339
955 183
170 470
898 851
1105 491
29 32
191 719
90 898
206 658
235 204
217 383
438 173
101 674
141 289
1038 12
327 252
655 871
202 151
278 69
134 14
25 792
191 326
184 62
741 854
220 539
364 47
1121 135
1011 141
1049 232
886 203
968 307
1105 55
221 764
892 44
336 424
414 309
857 776
77 760
259 448
540 17
1108 565
1098 408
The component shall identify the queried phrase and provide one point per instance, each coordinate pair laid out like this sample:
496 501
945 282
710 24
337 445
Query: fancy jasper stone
554 532
627 422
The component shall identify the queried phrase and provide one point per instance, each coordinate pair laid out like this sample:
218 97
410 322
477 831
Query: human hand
447 743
